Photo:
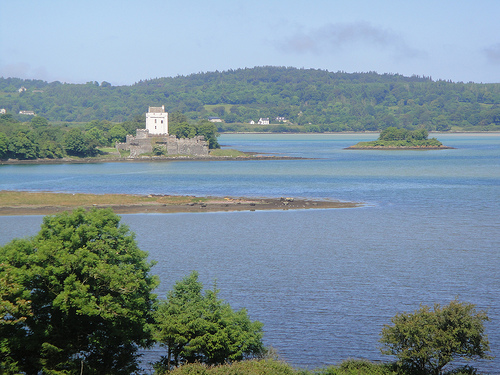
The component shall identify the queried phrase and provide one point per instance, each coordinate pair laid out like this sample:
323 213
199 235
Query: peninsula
401 139
48 203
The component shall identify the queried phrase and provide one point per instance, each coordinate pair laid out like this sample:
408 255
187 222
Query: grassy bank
23 198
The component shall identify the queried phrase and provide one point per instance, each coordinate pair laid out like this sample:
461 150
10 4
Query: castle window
155 121
162 121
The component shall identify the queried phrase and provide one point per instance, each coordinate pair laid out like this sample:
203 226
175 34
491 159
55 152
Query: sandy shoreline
47 203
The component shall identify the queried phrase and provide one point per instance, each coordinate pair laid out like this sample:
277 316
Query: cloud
333 38
493 53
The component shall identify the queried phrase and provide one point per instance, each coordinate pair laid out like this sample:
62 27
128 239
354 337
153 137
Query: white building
3 111
263 121
157 120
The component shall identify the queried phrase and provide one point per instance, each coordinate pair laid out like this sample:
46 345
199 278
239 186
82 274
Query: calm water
323 282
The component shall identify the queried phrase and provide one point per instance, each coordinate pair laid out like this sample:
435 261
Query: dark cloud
493 53
333 38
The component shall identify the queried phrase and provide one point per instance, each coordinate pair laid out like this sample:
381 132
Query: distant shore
355 147
48 203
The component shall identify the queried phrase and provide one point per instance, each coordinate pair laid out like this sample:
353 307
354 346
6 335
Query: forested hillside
308 99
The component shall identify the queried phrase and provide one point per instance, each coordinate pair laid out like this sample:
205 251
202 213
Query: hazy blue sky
125 41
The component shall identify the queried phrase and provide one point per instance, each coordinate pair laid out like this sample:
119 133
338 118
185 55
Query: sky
125 41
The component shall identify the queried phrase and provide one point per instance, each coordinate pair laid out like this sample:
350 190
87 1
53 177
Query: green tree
14 310
76 295
117 134
183 130
21 147
209 131
96 136
420 134
39 121
201 327
4 145
427 340
77 144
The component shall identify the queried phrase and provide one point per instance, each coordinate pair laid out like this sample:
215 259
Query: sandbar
49 203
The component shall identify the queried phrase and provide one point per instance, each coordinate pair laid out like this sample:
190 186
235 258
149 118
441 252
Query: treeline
311 100
39 139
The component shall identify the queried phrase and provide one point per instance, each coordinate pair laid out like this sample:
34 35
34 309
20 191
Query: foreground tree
197 327
427 340
76 296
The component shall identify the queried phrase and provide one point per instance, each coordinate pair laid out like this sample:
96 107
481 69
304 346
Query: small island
401 139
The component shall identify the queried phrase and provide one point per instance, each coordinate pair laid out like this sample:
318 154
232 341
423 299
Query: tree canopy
77 295
313 100
199 327
181 128
426 340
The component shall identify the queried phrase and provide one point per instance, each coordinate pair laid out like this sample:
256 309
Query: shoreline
398 148
13 203
145 159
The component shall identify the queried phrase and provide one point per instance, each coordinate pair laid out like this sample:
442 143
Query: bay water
323 282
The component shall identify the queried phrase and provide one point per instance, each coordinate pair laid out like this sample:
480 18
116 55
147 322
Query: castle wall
144 142
187 146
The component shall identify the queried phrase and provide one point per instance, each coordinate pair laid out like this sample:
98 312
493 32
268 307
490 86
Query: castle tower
157 120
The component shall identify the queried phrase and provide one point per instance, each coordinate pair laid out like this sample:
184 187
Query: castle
156 136
157 120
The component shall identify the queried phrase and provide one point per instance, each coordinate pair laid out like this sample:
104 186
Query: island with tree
394 138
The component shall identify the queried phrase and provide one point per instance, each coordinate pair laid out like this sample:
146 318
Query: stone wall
144 142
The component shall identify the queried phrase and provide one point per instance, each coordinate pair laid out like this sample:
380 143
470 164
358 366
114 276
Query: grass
107 149
227 152
124 153
41 199
210 107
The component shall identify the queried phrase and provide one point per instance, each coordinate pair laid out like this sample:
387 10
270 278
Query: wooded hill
310 100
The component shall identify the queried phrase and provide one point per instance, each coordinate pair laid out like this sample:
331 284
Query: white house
157 120
214 119
3 111
263 121
27 113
